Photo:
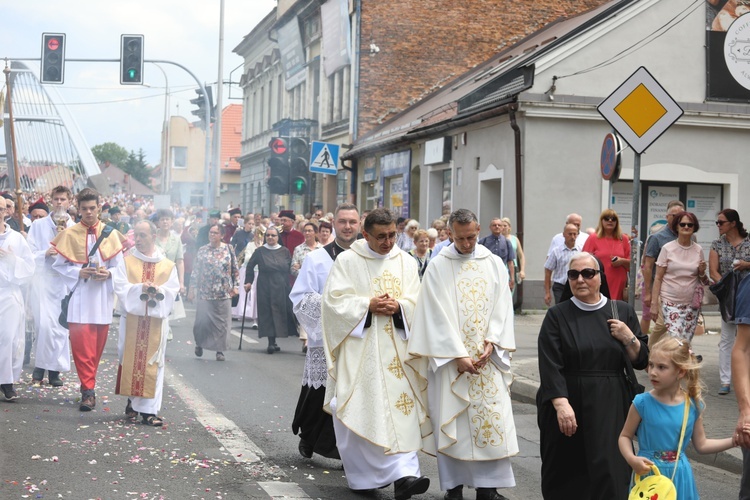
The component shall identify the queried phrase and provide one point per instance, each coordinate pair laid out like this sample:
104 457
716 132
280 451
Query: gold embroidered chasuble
374 390
137 372
463 301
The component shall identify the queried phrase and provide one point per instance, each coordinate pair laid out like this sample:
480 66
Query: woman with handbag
667 411
584 354
731 252
215 281
679 280
612 247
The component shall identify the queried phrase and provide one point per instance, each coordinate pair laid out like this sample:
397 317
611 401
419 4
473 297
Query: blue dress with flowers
658 436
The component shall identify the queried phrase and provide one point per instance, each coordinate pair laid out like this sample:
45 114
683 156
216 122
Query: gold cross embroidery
396 369
405 404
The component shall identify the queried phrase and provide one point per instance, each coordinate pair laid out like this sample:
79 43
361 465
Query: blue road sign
324 158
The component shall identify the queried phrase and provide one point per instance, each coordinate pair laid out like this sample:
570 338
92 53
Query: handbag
236 298
63 318
656 485
725 290
634 387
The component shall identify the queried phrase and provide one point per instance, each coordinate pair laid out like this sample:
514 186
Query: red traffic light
53 44
278 146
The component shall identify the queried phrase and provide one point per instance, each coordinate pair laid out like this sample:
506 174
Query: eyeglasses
587 273
687 224
721 222
610 218
381 238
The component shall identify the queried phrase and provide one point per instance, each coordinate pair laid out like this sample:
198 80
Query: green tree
136 166
110 152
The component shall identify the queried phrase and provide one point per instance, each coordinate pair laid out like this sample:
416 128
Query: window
338 95
179 157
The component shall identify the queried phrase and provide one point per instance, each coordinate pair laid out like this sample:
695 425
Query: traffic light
198 101
131 59
53 58
278 179
299 165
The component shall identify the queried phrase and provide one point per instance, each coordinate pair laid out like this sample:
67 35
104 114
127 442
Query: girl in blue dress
656 416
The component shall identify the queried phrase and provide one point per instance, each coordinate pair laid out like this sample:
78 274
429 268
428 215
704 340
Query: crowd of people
408 337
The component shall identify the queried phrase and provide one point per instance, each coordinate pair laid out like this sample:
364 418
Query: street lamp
166 166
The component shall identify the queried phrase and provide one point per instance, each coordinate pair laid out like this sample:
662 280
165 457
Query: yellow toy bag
656 486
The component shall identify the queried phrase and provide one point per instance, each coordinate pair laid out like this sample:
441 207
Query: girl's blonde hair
682 356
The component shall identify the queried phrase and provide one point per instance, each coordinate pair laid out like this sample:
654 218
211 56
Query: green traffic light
132 73
299 186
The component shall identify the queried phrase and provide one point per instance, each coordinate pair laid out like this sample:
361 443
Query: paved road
227 435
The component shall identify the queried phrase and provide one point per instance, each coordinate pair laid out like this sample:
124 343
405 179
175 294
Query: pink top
681 276
604 249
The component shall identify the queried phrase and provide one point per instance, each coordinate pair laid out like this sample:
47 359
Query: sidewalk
719 418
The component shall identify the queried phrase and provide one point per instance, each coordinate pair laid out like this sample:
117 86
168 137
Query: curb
524 389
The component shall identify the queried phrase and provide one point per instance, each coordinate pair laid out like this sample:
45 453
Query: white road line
283 490
236 442
245 338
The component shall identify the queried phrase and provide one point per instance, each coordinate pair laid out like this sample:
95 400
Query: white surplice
129 302
92 301
465 300
370 393
52 346
16 271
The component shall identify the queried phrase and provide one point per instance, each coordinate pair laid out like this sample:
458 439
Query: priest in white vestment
16 271
315 426
146 284
52 345
367 307
461 339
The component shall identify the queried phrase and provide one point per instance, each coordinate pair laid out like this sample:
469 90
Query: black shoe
88 403
305 449
220 356
489 494
270 349
276 348
198 351
410 485
9 392
54 379
456 493
37 376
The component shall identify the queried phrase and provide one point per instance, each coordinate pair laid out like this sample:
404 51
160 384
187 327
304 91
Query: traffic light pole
208 189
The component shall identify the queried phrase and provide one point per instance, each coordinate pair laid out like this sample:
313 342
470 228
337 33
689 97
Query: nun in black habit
584 396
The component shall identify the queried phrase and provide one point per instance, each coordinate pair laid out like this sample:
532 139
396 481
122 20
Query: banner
728 50
336 35
292 54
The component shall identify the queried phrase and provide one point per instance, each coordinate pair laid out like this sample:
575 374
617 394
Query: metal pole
634 226
12 131
216 177
166 175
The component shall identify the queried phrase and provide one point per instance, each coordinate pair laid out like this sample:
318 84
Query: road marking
228 433
245 338
283 490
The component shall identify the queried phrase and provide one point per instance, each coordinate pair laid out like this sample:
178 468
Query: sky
183 31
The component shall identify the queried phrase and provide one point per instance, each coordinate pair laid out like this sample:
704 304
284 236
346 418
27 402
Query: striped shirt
557 262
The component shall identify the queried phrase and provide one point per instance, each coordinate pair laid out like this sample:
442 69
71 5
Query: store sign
437 151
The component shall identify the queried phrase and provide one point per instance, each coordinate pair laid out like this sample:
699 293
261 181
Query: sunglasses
721 222
686 224
609 218
587 273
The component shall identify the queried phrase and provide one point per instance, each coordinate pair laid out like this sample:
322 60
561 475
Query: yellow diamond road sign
640 110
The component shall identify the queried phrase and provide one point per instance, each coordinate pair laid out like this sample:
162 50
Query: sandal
130 412
152 420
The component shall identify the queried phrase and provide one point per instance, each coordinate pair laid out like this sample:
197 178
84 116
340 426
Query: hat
113 210
289 214
235 211
39 204
7 196
106 206
215 214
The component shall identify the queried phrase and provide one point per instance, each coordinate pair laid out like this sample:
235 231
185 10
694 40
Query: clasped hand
97 273
384 305
473 366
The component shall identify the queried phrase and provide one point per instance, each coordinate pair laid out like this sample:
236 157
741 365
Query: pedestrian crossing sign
324 158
